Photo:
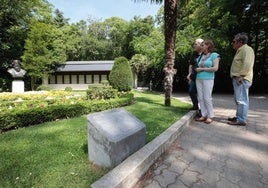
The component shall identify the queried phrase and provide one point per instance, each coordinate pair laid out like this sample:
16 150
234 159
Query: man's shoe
238 123
232 119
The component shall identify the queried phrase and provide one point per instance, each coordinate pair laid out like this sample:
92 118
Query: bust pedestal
17 86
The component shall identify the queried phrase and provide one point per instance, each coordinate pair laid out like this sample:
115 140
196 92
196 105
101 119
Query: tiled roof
82 66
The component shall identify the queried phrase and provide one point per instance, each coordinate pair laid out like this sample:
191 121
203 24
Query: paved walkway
217 155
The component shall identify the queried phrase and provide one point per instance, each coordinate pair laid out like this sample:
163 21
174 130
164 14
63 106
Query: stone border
128 173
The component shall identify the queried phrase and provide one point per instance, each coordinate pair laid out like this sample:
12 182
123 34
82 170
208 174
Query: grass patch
50 155
55 154
150 109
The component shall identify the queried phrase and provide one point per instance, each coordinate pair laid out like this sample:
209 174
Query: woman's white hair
199 40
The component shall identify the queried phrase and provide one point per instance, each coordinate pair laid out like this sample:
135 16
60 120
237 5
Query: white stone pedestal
17 86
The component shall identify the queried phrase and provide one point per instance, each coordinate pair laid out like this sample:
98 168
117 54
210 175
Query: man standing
242 75
192 74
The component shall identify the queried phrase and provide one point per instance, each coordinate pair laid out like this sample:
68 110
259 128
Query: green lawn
150 109
55 154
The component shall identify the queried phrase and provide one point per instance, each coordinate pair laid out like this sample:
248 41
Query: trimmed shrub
68 89
43 88
121 76
31 116
101 92
105 82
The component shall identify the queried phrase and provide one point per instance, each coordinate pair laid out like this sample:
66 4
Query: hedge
32 116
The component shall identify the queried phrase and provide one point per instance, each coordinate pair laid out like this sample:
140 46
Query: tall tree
59 19
15 18
44 48
139 64
116 31
138 28
252 17
170 19
151 46
97 44
170 27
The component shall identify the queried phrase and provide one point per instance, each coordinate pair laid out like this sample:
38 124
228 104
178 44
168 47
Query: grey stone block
113 135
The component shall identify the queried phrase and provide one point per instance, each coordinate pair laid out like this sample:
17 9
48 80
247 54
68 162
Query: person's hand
189 81
240 80
188 77
199 69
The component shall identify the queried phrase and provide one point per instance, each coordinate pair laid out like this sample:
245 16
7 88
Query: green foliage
32 96
104 40
105 82
73 37
15 18
44 50
139 29
139 63
121 76
59 19
51 110
116 30
152 46
43 88
68 89
148 104
101 92
28 31
54 154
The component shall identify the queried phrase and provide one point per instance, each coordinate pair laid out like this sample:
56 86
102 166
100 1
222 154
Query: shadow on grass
151 101
85 148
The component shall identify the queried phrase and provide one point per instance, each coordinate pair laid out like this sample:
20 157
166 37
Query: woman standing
208 64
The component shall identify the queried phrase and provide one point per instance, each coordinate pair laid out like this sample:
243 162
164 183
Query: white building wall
66 79
73 86
89 79
52 80
59 79
96 79
73 82
81 79
74 79
104 77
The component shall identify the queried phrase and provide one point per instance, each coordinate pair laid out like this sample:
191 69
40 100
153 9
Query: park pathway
217 155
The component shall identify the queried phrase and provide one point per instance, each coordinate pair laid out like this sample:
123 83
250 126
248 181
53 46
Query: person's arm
214 68
189 72
248 60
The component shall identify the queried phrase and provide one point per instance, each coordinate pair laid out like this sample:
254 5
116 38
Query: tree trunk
170 18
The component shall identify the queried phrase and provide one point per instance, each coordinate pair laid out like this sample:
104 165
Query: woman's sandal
201 119
208 121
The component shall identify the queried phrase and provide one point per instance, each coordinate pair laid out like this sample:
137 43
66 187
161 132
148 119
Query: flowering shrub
32 95
31 100
24 112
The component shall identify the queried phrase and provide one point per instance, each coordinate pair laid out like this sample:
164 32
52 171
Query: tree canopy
31 32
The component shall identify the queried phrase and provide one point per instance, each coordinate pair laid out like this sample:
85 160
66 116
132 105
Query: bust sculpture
16 71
